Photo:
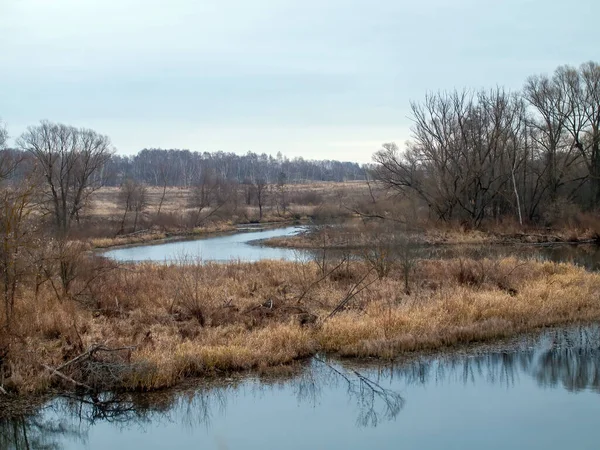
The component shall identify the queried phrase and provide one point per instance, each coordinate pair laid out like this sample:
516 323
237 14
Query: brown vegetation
180 212
150 326
481 168
356 233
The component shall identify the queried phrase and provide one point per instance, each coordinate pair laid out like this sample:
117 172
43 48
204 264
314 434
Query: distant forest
174 167
156 167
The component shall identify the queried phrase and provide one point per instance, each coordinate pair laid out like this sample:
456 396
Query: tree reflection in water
36 432
373 401
70 417
570 359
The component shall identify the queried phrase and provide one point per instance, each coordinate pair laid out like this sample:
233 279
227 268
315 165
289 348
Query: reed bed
151 326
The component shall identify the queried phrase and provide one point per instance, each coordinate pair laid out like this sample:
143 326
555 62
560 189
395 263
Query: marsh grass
180 321
354 232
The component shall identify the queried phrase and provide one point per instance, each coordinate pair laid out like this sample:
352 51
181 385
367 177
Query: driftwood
64 377
80 358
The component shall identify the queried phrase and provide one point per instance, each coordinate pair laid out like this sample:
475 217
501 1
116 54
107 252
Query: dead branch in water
87 355
66 378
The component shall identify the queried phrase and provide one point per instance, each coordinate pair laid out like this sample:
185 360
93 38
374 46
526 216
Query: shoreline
15 405
177 236
304 241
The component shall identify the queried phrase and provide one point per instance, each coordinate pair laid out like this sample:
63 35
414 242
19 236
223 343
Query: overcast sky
319 79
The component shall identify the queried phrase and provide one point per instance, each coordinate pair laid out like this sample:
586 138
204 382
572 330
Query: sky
326 79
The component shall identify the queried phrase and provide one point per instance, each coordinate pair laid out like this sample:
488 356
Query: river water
245 246
542 393
234 246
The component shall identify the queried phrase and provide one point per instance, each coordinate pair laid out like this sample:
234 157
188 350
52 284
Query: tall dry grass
178 321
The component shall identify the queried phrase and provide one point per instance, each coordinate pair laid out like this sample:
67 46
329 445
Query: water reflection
566 358
559 359
36 432
245 246
584 255
373 401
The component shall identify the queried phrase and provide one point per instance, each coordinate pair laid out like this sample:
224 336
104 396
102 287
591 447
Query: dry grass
195 320
148 236
353 233
316 201
301 197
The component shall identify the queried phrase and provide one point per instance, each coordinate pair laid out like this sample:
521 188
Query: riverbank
146 327
151 237
353 237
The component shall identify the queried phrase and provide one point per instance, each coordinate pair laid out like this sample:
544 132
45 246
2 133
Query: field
178 216
353 206
106 204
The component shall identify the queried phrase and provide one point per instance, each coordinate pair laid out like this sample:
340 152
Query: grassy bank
354 234
151 236
176 212
150 326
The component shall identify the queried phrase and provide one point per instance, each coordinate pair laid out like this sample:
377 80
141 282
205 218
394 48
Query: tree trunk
514 181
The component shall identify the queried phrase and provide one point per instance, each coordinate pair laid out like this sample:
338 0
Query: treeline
156 167
531 154
184 168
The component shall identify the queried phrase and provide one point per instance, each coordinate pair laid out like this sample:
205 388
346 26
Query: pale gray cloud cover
318 79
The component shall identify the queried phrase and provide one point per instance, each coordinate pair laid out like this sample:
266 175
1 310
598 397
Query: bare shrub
191 292
305 197
133 197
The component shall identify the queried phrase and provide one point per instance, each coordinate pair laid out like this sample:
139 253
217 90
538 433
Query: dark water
585 255
542 394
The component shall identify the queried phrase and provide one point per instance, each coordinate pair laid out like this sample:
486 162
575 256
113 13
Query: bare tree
582 92
3 136
282 203
17 237
164 174
551 107
459 159
209 194
261 194
133 197
71 160
8 160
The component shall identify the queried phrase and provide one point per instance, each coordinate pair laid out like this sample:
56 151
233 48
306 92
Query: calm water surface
236 246
545 394
243 246
542 394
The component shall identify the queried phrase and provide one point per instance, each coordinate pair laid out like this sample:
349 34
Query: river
540 393
222 248
245 246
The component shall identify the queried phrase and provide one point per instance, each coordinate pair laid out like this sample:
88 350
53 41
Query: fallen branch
83 357
78 358
66 378
90 352
354 291
314 283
